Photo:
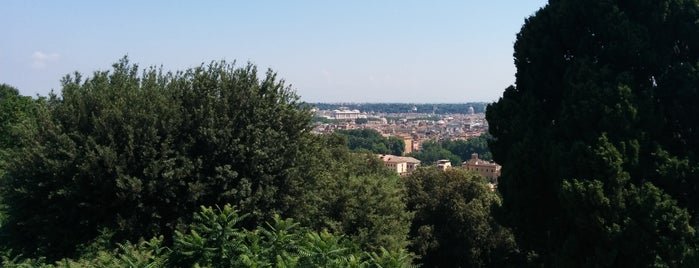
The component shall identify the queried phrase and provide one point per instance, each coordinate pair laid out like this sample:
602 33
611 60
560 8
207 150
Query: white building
444 164
346 114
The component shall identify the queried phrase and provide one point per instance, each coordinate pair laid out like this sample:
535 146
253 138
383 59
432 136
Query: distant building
346 114
400 164
488 169
408 140
444 164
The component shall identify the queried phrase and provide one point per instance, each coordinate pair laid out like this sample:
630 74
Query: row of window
483 169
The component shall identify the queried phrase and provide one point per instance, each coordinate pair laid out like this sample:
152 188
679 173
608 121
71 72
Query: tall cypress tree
598 139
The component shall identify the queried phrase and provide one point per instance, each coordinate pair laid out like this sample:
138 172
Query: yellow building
488 169
408 143
400 164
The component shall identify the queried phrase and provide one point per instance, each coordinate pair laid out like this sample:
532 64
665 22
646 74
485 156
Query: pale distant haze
329 51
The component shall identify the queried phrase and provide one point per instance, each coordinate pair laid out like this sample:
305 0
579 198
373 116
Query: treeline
215 166
427 108
372 141
456 151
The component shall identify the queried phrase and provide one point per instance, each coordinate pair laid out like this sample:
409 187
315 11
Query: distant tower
470 110
414 108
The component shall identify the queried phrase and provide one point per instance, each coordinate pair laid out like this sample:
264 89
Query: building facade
444 164
408 141
346 114
400 164
488 169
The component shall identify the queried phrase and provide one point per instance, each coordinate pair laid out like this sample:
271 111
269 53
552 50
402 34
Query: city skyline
359 51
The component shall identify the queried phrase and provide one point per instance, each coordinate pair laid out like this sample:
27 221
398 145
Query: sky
329 51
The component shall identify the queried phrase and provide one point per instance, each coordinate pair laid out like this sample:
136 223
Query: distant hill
437 108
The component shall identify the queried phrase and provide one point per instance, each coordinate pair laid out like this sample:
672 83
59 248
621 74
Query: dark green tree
138 152
598 139
215 238
15 110
360 121
373 141
432 151
16 114
353 194
464 148
453 226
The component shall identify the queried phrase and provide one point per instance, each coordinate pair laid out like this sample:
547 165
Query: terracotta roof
398 159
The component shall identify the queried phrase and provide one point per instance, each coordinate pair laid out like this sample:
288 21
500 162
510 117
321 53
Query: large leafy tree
15 110
464 148
138 152
353 194
16 114
453 226
598 139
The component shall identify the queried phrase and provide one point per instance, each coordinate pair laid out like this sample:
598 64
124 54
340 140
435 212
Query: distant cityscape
414 124
463 121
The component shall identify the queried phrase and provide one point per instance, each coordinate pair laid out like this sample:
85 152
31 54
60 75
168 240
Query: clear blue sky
331 51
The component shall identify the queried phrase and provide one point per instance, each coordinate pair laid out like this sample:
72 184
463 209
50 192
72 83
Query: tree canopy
352 194
370 139
139 152
14 111
453 226
464 148
134 153
598 139
432 151
216 239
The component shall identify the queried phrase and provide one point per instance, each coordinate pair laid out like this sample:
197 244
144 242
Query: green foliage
14 109
139 153
355 195
136 154
128 154
598 140
281 244
16 112
145 254
453 226
215 239
464 148
455 150
432 151
372 140
324 120
360 121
